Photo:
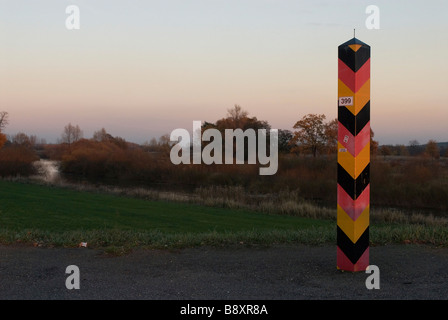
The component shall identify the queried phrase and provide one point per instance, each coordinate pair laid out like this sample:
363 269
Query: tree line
104 155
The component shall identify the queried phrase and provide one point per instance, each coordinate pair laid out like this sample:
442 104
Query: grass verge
54 216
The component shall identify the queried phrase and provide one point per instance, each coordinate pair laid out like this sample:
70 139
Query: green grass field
30 212
55 216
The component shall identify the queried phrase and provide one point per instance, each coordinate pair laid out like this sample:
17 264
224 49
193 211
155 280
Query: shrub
17 161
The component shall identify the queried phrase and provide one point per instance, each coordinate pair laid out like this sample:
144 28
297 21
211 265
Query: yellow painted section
353 165
346 160
362 160
360 98
355 47
353 229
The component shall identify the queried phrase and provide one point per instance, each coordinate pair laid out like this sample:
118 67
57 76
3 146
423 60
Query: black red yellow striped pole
353 176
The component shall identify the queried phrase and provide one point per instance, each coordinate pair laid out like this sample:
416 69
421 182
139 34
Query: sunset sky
140 69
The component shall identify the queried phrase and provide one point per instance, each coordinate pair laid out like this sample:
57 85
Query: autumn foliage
314 135
17 160
412 177
104 161
2 140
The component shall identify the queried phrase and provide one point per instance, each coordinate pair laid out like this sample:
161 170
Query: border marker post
353 176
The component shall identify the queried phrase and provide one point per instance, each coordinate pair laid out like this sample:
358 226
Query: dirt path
278 272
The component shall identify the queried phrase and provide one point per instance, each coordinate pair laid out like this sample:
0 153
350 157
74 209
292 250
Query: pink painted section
354 81
353 208
362 139
346 139
344 263
353 144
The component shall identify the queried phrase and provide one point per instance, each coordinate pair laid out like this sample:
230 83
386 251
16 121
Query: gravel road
286 272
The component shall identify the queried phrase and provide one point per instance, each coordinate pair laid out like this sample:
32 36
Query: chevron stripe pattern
353 193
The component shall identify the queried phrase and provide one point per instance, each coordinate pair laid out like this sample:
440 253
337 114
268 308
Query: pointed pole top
354 41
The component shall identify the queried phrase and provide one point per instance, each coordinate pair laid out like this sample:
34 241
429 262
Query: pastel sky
140 69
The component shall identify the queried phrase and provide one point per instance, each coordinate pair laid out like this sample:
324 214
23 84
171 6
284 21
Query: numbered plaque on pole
353 190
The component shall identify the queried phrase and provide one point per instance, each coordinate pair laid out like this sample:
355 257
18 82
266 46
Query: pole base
345 264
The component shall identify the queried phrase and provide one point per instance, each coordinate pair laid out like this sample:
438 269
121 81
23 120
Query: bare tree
3 119
33 140
71 134
3 123
101 135
237 113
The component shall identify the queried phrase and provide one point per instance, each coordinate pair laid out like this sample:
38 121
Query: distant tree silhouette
284 139
385 150
22 139
71 134
3 119
432 149
414 147
237 118
331 136
101 135
3 123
